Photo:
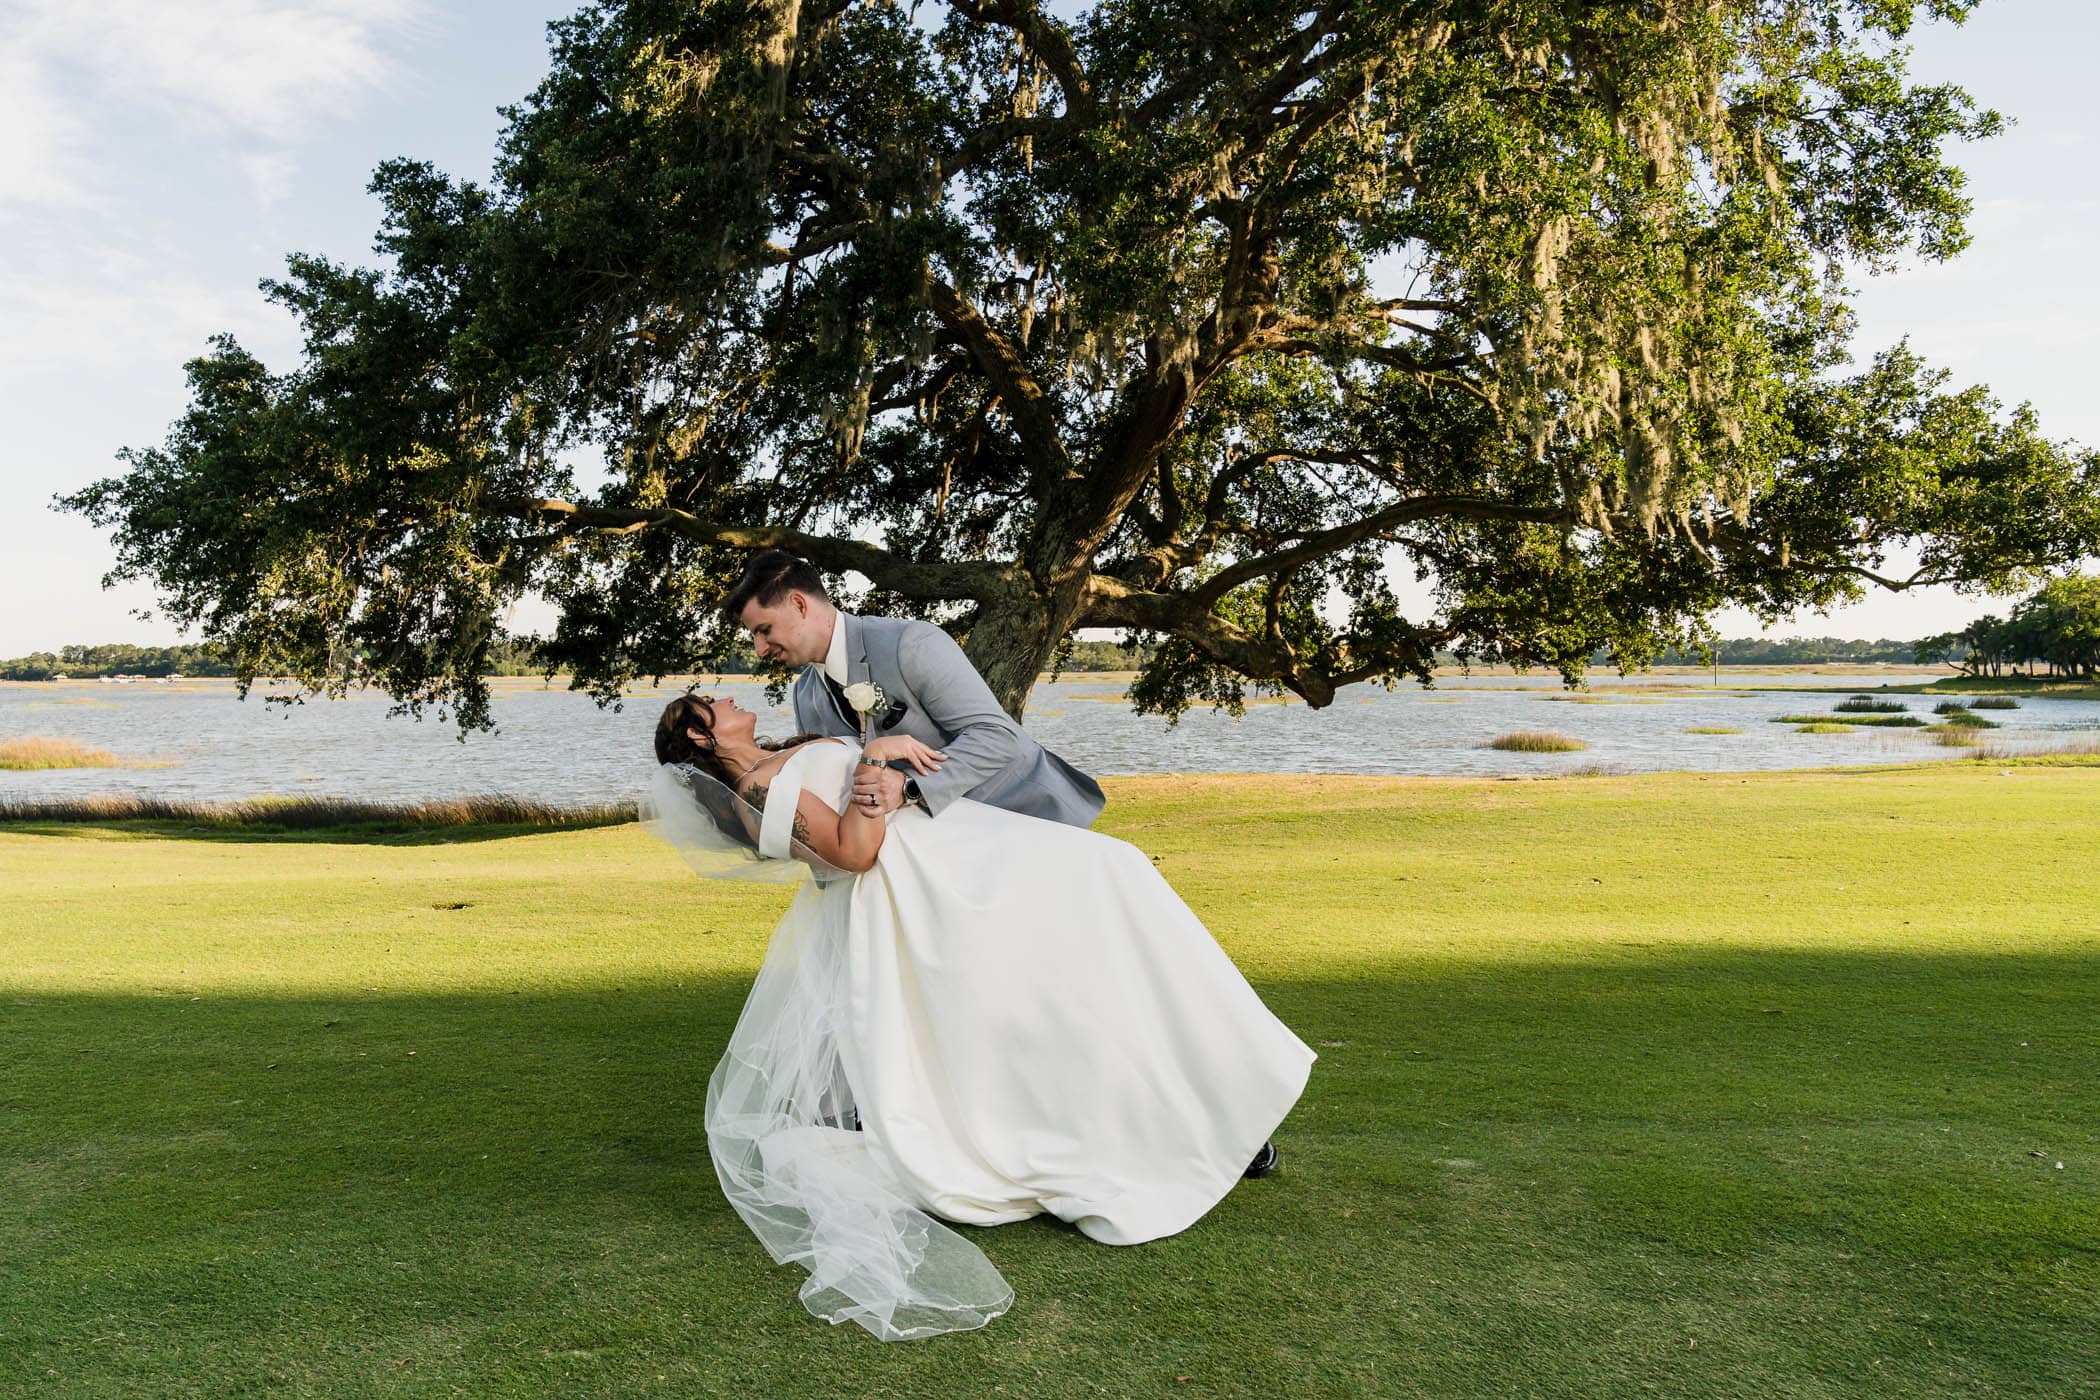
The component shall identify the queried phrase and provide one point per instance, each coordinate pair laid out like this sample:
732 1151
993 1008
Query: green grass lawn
1683 1084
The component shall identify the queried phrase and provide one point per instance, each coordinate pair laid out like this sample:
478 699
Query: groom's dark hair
769 577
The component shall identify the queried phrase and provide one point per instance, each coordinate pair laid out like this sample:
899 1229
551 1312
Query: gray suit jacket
946 704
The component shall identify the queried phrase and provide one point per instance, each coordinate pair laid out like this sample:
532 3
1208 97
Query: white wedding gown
1025 1018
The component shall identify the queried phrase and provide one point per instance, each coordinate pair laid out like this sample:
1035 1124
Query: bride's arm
848 839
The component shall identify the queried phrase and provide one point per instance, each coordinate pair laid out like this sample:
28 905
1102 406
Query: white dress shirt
835 657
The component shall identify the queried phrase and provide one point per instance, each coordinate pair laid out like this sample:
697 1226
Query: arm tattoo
756 795
801 828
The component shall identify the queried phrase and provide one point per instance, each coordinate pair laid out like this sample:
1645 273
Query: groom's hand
885 785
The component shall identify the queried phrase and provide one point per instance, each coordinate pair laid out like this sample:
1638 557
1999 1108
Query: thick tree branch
1034 422
887 396
927 580
1396 304
1110 602
1326 542
1152 416
1156 565
1044 37
987 139
818 242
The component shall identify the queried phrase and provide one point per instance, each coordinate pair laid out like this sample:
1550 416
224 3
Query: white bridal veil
719 834
780 1108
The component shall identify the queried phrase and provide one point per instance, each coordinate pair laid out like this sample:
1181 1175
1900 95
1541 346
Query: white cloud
115 309
40 157
260 66
249 70
270 173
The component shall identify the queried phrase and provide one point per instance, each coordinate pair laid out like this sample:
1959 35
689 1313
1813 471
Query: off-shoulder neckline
742 789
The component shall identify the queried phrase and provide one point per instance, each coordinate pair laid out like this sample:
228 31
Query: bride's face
733 724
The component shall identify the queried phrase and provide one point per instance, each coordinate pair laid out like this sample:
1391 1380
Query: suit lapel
829 689
827 695
856 649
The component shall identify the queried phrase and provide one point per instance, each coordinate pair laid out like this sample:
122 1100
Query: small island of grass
35 752
1876 721
1537 741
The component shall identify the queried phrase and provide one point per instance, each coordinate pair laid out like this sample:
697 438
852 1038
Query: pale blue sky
161 156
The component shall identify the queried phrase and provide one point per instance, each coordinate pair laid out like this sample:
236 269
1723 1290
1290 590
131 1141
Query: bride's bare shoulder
754 785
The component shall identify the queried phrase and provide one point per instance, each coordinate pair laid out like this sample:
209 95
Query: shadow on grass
383 833
480 817
1834 1173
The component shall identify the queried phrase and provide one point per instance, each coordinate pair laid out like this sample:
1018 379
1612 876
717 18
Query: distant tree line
1793 651
2054 632
508 656
117 659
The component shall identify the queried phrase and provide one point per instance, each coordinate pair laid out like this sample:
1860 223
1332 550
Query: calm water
560 747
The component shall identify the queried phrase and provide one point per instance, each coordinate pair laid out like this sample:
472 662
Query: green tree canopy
1179 317
2058 627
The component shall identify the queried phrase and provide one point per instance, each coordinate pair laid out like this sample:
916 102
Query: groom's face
794 631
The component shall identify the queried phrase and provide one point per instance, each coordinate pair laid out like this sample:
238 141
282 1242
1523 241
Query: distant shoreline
1544 677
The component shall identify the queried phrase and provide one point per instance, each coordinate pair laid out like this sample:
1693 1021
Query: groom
930 691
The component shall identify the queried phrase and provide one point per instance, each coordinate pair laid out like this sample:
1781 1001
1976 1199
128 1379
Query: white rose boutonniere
865 697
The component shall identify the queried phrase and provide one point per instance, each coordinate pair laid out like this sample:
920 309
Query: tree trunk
1016 632
1009 643
1015 635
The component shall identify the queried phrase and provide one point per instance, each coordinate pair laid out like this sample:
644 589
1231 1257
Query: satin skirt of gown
1025 1018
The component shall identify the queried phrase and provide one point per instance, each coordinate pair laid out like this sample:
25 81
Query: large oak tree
1184 317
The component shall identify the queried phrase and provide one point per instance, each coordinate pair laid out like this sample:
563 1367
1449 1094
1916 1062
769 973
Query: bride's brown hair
690 711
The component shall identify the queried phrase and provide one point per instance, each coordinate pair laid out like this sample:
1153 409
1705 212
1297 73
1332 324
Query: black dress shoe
1265 1161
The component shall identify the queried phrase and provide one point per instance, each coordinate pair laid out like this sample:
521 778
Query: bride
974 1019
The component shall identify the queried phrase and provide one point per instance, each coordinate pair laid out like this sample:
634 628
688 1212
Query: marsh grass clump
1536 741
1869 705
1994 702
1879 721
1712 729
317 813
1955 737
1950 707
2067 747
1820 726
37 752
1962 719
